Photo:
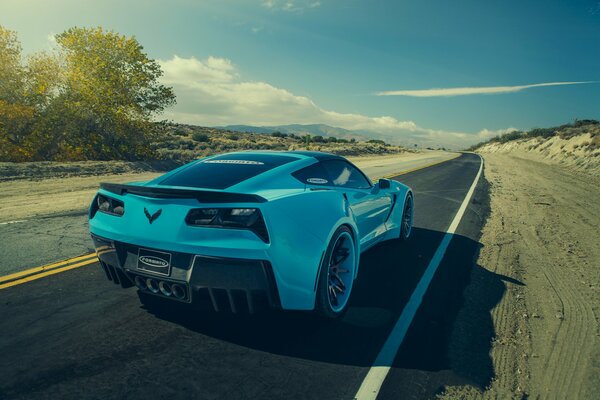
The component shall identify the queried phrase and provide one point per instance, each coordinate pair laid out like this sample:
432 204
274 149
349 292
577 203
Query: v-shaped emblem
152 217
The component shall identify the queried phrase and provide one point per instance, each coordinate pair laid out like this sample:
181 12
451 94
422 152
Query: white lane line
13 222
369 389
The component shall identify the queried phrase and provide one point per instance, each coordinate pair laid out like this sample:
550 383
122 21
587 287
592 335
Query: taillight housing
233 218
107 205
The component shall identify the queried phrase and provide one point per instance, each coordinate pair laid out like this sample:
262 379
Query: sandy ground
23 198
543 236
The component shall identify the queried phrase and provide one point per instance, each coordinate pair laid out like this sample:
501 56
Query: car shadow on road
388 275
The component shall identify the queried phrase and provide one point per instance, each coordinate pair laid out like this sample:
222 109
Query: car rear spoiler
203 196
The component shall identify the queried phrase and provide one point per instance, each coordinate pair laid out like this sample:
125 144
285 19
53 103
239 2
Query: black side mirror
384 183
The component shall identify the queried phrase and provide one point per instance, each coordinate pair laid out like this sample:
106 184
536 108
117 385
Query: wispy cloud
465 91
291 5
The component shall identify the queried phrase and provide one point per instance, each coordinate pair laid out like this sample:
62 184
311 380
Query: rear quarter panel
301 227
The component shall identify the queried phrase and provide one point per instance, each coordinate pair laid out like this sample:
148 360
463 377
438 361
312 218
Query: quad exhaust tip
152 285
178 291
140 282
167 289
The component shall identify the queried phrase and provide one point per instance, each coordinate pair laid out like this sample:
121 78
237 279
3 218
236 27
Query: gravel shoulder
542 235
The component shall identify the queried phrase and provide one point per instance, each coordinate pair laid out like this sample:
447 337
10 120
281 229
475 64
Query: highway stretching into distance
74 335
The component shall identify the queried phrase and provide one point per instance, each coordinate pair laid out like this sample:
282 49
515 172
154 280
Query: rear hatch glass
225 170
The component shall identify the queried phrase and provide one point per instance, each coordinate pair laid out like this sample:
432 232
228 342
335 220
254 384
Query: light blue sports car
246 229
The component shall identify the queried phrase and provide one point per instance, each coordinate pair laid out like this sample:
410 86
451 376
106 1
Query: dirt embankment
542 234
579 150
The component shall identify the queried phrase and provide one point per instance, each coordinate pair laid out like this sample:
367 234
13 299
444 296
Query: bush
200 137
318 139
582 122
377 141
542 132
511 136
233 137
278 134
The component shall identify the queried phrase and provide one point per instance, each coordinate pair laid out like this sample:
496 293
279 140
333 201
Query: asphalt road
76 335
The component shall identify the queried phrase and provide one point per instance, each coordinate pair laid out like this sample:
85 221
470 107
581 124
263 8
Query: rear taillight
234 218
107 205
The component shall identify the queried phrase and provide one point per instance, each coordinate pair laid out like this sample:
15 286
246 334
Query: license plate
157 262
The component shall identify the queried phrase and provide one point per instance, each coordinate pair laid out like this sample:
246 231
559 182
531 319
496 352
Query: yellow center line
48 273
43 268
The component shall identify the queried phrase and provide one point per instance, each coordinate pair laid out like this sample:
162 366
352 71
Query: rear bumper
229 284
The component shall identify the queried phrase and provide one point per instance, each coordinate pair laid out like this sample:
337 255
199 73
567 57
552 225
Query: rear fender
301 227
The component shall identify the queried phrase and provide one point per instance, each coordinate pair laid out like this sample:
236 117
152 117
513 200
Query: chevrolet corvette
247 229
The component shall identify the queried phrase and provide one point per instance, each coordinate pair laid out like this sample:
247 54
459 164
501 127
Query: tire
337 275
406 223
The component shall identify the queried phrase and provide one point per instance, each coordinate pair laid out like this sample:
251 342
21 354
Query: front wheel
337 274
407 218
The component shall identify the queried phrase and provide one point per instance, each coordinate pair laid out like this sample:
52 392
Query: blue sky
321 61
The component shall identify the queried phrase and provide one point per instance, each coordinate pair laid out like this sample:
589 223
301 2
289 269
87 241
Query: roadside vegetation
565 131
94 97
187 142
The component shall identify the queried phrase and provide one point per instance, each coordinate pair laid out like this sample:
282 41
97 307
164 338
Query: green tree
16 117
110 94
96 98
12 73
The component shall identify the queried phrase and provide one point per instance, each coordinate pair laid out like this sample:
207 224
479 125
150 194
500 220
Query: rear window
225 170
333 173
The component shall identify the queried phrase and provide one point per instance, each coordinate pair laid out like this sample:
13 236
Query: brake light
234 218
108 205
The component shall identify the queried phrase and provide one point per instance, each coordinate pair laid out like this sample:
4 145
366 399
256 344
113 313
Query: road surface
76 335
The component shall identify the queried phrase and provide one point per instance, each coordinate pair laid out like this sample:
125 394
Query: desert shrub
583 122
511 136
180 132
377 141
200 137
542 132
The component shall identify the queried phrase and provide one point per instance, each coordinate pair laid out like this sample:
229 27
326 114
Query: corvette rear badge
152 217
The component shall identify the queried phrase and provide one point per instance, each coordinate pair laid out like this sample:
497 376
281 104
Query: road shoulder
542 236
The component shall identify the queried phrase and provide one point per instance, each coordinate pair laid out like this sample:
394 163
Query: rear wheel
407 218
337 274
